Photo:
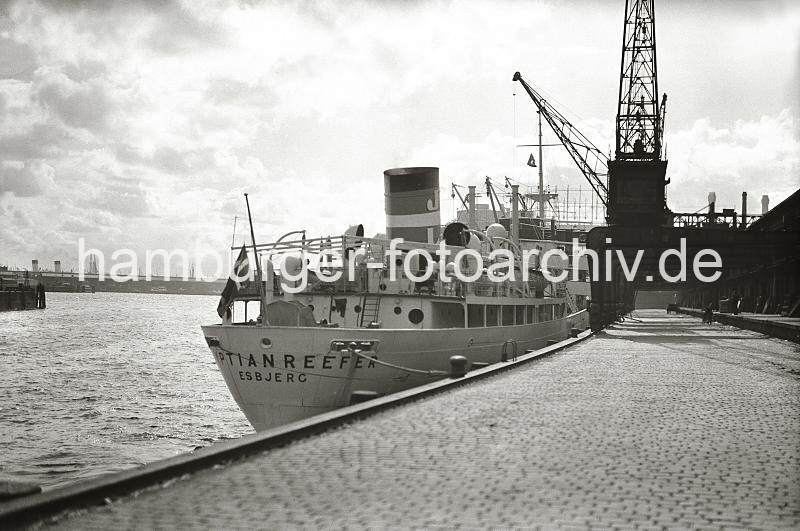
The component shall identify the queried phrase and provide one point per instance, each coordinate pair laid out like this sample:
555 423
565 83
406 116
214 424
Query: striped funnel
412 204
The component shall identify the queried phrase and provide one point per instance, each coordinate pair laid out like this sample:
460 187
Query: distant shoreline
68 282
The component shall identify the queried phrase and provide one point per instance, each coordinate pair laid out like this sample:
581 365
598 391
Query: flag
240 269
531 161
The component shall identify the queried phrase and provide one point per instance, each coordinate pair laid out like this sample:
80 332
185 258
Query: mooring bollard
358 396
458 366
573 332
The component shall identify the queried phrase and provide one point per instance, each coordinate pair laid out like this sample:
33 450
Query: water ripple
107 381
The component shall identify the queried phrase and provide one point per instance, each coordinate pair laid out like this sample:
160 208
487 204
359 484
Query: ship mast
541 171
261 290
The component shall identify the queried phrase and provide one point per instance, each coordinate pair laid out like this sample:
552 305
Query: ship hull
283 374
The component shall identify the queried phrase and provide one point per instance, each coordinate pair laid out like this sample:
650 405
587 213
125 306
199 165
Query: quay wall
18 299
774 326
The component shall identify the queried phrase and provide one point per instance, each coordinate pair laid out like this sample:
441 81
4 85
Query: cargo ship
289 349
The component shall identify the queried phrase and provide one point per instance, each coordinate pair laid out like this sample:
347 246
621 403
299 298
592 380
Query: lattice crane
640 117
637 175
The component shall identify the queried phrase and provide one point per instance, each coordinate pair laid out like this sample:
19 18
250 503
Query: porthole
357 308
382 286
416 316
398 310
311 307
266 342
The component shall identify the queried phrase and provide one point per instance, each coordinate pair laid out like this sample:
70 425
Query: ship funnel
744 209
412 204
712 200
764 204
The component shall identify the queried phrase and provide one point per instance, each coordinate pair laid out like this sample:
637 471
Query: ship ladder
571 304
370 306
504 352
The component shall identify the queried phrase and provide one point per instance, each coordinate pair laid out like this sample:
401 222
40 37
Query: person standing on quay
708 314
734 299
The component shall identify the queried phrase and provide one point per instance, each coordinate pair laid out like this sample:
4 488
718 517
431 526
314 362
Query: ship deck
658 422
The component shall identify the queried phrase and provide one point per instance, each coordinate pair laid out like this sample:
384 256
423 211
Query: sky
140 125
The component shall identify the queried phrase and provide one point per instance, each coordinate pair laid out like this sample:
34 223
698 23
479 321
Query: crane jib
584 153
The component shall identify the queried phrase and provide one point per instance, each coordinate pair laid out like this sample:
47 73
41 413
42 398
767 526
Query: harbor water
100 382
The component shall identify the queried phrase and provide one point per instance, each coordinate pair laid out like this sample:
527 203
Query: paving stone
659 422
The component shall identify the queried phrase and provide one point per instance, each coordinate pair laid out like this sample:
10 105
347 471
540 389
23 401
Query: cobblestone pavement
657 423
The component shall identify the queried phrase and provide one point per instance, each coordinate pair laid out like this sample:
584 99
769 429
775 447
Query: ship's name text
290 361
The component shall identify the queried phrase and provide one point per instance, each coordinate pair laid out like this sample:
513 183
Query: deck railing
374 261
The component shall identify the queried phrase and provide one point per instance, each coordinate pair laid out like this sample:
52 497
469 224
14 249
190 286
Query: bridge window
520 315
508 315
245 312
475 315
446 315
492 314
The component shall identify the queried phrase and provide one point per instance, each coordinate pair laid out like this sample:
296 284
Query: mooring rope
398 367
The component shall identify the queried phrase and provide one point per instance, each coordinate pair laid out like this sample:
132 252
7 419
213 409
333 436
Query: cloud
41 140
20 218
154 117
78 104
178 29
17 60
125 199
169 160
77 225
85 70
25 179
761 157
